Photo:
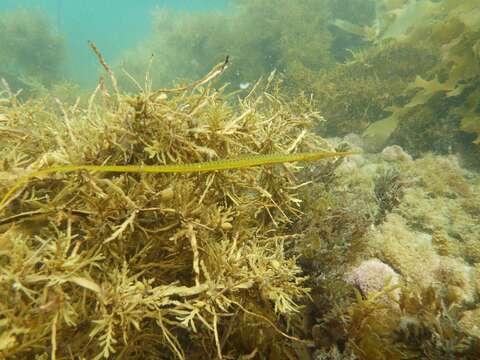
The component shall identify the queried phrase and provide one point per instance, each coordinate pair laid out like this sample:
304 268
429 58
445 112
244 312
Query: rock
395 153
354 140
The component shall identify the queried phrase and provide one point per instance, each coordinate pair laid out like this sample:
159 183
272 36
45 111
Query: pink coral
372 276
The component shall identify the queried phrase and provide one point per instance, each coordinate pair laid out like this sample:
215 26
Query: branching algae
144 264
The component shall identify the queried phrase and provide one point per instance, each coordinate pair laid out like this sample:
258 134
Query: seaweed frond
183 261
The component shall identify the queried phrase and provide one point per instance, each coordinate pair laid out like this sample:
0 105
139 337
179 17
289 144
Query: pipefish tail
218 165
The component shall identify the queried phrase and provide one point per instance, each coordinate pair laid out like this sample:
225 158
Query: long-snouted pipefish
224 164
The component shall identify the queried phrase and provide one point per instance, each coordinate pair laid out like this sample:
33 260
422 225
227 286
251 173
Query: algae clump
137 265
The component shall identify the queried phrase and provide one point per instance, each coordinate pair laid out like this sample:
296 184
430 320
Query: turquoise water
114 25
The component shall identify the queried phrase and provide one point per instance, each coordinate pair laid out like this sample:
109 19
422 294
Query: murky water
149 207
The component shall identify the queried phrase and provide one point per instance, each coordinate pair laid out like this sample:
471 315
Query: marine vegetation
353 95
32 53
194 222
393 258
166 265
260 36
433 106
371 70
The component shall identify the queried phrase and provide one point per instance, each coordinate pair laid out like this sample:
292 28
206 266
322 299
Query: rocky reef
170 212
399 279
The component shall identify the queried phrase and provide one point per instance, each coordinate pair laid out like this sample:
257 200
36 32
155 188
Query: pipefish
217 165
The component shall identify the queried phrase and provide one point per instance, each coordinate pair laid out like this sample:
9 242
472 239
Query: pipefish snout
218 165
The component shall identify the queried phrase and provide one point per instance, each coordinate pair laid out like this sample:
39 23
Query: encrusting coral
388 217
136 265
372 276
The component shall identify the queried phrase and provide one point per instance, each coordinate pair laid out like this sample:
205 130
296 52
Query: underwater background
240 179
114 25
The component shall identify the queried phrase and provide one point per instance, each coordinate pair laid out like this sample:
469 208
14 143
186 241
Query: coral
444 205
409 253
434 205
421 227
373 276
452 182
